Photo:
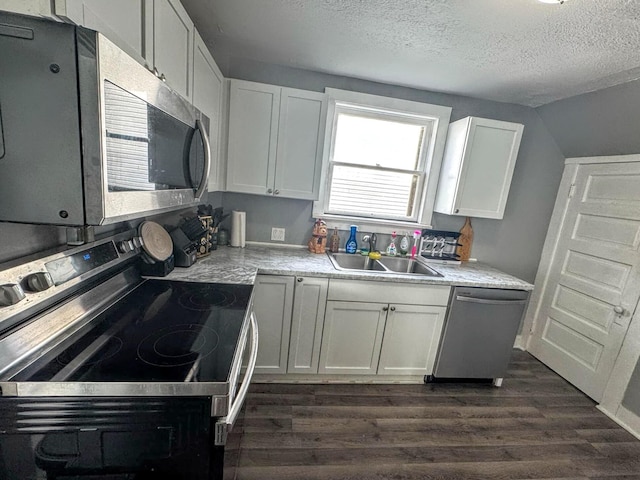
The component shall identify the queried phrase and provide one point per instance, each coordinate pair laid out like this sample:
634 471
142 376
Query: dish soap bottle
391 249
404 245
352 243
334 241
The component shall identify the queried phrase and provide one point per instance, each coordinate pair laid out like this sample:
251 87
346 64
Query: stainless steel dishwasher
479 332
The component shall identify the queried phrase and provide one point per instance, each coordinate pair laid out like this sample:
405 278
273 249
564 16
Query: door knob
384 309
270 190
619 310
277 192
393 309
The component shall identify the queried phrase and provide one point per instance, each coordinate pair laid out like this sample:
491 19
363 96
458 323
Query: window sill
365 225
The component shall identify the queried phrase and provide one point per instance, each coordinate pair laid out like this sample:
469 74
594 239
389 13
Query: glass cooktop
163 331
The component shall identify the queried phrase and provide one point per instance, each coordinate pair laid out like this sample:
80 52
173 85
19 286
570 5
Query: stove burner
178 345
202 300
112 347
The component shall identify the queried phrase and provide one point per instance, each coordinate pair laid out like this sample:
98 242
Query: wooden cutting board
465 240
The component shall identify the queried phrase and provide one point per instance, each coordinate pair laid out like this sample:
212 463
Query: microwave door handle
207 160
1 137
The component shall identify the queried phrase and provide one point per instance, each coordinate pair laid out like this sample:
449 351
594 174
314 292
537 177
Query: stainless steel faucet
372 239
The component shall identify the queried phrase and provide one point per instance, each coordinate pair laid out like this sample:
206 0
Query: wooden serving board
465 240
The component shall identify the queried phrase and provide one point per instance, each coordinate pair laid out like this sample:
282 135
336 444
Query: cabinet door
121 21
309 302
300 140
411 338
477 168
352 337
273 300
253 135
173 45
207 97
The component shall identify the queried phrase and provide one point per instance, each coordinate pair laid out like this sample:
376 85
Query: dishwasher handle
488 301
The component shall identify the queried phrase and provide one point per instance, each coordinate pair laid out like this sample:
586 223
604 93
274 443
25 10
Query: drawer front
388 292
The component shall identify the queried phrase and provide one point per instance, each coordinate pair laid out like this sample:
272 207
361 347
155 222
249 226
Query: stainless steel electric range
105 374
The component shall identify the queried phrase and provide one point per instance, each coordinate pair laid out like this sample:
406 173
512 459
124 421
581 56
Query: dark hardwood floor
535 426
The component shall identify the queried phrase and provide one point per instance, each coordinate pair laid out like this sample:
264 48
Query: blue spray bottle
352 243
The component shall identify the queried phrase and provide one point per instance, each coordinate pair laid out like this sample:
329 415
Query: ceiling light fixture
552 1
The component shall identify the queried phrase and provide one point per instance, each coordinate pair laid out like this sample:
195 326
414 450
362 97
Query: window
382 158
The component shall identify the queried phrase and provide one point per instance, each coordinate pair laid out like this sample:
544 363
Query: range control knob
10 294
137 242
125 246
39 281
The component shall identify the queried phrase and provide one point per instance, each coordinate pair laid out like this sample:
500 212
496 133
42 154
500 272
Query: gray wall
606 122
18 240
513 244
631 400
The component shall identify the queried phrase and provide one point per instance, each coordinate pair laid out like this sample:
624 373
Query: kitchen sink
408 266
348 261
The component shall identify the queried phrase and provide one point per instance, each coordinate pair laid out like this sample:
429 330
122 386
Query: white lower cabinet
382 328
311 325
307 322
273 301
411 337
352 338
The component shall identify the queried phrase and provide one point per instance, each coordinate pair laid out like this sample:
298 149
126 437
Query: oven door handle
225 424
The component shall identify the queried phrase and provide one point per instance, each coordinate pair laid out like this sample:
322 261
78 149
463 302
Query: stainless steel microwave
88 136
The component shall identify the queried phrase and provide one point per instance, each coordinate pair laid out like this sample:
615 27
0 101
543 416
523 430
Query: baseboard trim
625 418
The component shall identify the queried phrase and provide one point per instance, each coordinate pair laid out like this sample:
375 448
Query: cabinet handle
457 210
300 279
270 190
385 309
276 192
393 309
619 310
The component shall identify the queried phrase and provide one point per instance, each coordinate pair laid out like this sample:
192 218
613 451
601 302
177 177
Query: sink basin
408 266
348 261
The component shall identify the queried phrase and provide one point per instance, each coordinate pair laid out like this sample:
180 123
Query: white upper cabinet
122 21
35 8
477 167
158 33
253 136
275 140
173 34
208 84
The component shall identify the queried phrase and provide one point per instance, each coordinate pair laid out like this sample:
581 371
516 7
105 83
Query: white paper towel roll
238 228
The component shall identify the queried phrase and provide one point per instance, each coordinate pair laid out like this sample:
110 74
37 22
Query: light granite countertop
241 265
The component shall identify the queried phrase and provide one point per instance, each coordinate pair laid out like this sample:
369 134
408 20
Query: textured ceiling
517 51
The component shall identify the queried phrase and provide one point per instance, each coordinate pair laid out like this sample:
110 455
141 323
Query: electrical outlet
277 234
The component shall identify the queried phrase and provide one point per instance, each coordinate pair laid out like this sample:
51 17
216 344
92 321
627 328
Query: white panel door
594 280
173 44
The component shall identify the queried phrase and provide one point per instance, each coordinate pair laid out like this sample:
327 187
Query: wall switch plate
277 234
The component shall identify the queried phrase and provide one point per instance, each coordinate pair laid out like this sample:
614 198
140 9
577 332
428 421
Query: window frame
432 153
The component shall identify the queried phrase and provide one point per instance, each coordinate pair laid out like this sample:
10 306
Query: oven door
146 148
